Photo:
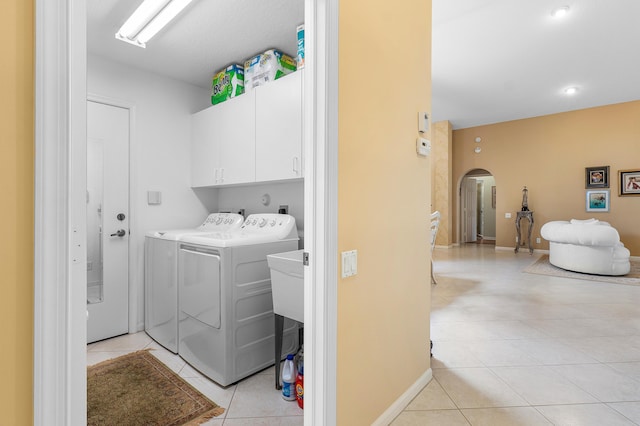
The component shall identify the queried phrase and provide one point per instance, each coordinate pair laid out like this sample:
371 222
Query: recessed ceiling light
571 90
560 12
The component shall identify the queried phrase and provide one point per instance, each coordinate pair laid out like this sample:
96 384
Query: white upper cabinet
204 156
254 137
235 121
222 144
279 129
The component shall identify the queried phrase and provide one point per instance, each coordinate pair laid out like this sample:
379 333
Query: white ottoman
588 246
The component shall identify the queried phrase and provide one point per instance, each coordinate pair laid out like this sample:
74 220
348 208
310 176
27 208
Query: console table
528 215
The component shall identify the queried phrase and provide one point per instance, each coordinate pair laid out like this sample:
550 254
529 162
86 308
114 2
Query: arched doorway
478 207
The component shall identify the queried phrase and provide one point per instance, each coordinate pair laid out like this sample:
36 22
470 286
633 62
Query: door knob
119 233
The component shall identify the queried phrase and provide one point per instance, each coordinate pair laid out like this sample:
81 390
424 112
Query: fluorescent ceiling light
149 18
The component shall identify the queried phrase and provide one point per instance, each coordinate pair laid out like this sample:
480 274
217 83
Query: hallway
512 348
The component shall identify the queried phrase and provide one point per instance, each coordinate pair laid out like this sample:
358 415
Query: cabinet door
204 156
234 131
279 129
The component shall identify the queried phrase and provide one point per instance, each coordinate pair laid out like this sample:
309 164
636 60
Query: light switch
507 215
349 263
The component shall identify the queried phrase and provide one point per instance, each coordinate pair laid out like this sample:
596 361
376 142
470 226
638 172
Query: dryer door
199 284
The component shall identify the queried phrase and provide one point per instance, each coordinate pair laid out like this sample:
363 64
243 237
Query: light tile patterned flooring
252 401
512 348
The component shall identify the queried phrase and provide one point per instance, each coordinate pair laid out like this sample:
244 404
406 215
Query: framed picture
493 197
596 177
629 182
598 201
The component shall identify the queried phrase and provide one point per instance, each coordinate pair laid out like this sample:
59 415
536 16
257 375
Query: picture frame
493 197
598 201
596 177
629 182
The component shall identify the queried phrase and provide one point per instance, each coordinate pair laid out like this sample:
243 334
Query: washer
161 276
226 322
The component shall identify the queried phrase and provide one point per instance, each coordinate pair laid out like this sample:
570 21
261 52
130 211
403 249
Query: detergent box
300 58
267 66
227 84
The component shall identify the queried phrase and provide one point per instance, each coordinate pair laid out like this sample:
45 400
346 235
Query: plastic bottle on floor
289 379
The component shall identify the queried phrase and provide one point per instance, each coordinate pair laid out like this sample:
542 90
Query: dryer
226 323
161 276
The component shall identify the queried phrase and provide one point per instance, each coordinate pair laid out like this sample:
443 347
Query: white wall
160 154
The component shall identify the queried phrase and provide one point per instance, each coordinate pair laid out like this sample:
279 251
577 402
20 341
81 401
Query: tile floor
252 401
512 348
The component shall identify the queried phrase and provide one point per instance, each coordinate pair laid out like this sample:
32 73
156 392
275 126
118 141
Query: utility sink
287 284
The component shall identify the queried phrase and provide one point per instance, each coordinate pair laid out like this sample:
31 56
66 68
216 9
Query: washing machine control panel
219 222
279 225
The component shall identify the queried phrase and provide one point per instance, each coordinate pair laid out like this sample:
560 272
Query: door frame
131 242
59 395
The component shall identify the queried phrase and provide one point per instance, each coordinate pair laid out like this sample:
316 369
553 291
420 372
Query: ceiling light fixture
149 18
571 90
560 12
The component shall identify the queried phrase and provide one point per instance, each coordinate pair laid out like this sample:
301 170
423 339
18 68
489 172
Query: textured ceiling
492 60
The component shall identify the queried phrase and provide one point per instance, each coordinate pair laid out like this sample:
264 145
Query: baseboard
522 250
443 247
634 257
401 403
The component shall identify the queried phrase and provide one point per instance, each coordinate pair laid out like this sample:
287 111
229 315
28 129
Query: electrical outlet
284 209
507 215
538 240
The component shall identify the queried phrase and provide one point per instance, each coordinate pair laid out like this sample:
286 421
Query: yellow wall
16 214
549 154
383 311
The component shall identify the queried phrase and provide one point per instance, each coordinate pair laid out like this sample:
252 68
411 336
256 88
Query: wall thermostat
423 122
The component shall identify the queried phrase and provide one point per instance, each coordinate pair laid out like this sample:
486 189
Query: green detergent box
227 84
266 67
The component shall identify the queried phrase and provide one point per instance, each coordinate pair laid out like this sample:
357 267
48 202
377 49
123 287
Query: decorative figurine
525 199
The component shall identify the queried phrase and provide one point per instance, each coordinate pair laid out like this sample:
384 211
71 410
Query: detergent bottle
300 385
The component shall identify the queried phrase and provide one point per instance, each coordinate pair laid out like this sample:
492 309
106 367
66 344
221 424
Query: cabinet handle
215 179
295 165
222 175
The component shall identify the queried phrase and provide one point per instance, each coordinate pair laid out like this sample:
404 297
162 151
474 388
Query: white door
107 221
469 210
